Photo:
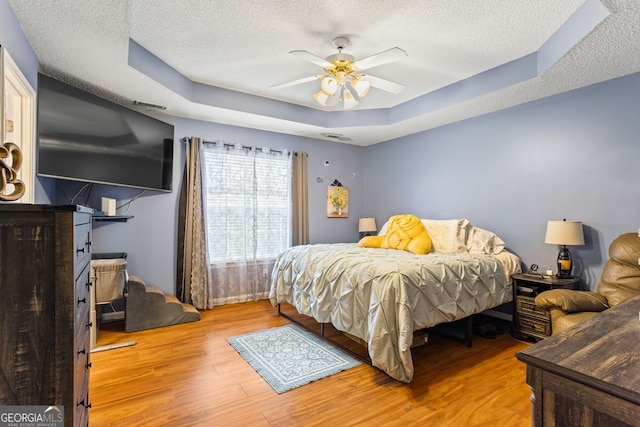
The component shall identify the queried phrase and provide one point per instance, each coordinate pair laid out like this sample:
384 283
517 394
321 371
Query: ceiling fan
342 71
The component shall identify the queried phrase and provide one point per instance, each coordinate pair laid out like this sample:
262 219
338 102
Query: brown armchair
620 281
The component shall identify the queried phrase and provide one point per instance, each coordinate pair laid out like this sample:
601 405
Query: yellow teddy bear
405 232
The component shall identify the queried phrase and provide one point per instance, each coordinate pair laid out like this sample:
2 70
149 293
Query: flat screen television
83 137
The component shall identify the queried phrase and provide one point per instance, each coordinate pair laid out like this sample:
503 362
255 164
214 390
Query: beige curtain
192 255
300 199
193 278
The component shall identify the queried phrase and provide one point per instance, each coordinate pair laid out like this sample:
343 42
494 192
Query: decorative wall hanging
11 188
337 201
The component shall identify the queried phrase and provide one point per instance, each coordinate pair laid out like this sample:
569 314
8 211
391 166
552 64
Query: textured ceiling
465 58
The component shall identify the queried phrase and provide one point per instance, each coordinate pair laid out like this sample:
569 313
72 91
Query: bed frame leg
469 332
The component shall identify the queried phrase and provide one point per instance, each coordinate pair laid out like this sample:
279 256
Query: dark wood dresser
45 251
588 375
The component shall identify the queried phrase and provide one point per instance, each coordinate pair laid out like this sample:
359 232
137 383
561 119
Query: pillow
383 229
484 242
405 232
448 235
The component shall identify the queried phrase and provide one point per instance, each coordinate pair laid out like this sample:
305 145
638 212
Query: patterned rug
288 357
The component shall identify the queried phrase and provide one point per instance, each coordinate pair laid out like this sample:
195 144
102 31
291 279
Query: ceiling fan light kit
360 86
349 101
329 85
342 69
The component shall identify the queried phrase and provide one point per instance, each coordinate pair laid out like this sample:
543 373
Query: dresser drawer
535 325
82 367
82 244
82 284
82 305
527 305
81 417
81 218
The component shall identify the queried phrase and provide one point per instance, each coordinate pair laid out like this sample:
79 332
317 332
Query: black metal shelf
116 218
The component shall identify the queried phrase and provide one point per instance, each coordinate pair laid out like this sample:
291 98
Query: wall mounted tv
83 137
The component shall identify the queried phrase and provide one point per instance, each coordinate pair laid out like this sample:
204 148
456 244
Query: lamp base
564 263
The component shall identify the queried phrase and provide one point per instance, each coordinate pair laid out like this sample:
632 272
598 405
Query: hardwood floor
188 375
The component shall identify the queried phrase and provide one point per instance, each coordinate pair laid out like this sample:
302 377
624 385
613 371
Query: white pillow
484 242
448 235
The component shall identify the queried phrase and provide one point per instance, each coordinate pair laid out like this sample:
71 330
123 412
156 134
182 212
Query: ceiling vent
146 104
337 137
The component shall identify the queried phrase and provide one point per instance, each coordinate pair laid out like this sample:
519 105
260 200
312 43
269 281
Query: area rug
288 357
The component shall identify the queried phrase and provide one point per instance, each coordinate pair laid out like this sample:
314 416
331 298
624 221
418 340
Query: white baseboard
115 315
499 315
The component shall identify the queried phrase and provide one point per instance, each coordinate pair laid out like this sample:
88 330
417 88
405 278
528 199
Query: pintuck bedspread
383 295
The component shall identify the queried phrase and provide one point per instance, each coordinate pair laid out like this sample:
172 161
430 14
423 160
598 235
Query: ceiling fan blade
385 85
308 56
295 82
381 58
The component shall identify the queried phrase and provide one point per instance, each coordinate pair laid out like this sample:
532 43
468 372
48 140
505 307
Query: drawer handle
89 284
82 301
81 403
80 250
83 351
88 365
89 325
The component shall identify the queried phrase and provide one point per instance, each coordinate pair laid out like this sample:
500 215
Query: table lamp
367 226
564 233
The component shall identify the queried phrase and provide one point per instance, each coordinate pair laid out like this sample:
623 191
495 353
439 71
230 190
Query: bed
382 296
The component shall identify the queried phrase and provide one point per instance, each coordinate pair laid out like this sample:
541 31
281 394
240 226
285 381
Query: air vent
146 104
337 137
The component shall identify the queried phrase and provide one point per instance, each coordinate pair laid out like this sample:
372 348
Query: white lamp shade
366 225
321 97
348 100
329 85
564 233
360 86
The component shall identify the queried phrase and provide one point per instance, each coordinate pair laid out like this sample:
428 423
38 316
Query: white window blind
247 203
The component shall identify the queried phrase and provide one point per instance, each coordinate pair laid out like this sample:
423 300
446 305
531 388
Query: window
247 203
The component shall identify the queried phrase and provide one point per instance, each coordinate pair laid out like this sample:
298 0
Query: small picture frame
337 202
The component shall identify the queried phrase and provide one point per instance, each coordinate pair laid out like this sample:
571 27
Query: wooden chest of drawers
588 375
45 282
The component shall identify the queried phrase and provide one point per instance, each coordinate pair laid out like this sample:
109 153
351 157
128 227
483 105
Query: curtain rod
228 145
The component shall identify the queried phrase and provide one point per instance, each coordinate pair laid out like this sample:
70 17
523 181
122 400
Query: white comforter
383 295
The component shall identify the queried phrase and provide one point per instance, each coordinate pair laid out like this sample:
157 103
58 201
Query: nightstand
528 319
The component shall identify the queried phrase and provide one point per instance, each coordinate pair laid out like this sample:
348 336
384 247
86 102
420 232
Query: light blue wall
574 155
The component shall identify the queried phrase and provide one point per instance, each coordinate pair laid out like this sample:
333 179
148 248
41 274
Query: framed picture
337 202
